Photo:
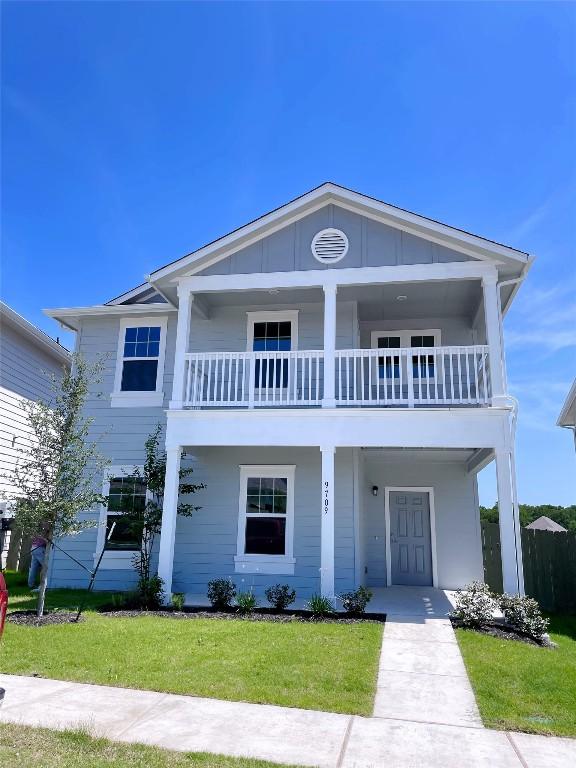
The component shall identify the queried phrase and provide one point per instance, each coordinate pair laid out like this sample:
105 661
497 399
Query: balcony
411 377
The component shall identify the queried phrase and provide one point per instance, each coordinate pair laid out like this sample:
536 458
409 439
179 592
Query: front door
410 540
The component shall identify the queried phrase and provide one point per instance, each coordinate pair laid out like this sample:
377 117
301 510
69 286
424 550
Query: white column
169 515
327 526
329 400
510 541
493 320
185 299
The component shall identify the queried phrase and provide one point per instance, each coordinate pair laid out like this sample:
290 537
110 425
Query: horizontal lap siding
121 434
458 542
206 543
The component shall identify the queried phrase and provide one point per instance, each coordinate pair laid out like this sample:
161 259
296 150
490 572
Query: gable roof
41 340
512 260
544 523
567 416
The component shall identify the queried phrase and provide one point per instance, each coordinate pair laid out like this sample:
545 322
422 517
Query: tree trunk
43 580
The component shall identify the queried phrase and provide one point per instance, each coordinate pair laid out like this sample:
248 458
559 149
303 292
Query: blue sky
135 132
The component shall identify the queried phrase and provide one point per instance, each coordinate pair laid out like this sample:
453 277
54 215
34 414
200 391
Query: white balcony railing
413 376
254 379
363 377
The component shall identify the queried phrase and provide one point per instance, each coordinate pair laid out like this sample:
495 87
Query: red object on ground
3 602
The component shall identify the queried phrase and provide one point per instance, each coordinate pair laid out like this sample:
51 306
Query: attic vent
329 246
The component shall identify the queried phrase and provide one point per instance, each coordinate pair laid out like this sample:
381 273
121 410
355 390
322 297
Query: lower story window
126 499
266 520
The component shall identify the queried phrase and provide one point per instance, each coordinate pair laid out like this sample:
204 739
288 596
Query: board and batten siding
458 543
371 244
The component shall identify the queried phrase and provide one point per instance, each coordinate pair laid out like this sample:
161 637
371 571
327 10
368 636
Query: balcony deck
402 377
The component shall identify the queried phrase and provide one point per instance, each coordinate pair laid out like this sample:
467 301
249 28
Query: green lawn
315 666
521 687
23 747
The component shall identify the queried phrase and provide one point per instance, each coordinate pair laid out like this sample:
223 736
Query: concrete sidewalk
278 734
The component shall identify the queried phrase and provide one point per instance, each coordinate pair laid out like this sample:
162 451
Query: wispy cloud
530 222
544 319
540 401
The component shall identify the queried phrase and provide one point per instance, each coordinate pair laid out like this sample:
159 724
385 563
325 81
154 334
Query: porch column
510 541
169 515
329 400
185 299
493 323
327 526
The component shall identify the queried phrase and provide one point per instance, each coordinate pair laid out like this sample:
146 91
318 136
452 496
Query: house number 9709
326 496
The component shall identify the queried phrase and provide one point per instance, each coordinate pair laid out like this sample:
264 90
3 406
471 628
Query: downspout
513 424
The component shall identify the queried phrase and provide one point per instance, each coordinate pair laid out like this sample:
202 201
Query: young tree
145 520
57 472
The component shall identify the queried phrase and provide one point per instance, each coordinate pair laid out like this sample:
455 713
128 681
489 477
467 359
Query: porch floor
418 603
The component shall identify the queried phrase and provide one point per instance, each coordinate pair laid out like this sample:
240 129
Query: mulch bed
30 619
505 632
260 614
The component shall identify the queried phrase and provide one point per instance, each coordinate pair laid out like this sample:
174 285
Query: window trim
267 564
127 399
272 316
114 559
405 336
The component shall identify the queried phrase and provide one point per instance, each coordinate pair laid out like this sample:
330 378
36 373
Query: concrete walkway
422 677
301 737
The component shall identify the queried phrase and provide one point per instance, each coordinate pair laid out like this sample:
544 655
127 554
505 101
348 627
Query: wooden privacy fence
549 565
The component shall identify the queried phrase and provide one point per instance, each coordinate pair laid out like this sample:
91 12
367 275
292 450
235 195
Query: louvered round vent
329 246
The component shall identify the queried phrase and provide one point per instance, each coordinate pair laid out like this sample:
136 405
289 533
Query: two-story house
334 371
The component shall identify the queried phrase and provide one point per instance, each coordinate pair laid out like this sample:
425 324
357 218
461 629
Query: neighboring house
544 523
567 416
334 373
28 357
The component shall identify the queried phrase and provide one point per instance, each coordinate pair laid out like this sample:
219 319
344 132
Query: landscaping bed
31 619
505 632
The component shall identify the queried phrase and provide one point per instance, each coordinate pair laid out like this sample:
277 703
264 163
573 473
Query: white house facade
334 372
28 357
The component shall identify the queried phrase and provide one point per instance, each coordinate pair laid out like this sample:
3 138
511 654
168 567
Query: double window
266 520
423 365
140 362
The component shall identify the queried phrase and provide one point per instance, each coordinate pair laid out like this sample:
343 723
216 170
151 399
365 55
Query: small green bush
280 596
474 605
178 601
246 602
524 615
150 593
355 602
221 592
319 606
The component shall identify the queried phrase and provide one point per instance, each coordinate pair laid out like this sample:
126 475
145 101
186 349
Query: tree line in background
565 516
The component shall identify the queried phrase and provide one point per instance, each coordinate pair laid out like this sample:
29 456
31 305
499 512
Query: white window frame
274 316
404 344
114 559
405 337
126 399
267 564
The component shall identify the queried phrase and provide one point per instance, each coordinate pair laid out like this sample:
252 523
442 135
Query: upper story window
423 365
275 331
140 363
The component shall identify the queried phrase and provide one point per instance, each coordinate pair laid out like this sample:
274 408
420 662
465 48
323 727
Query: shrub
150 593
523 614
474 605
319 606
355 602
280 596
221 592
178 601
246 602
